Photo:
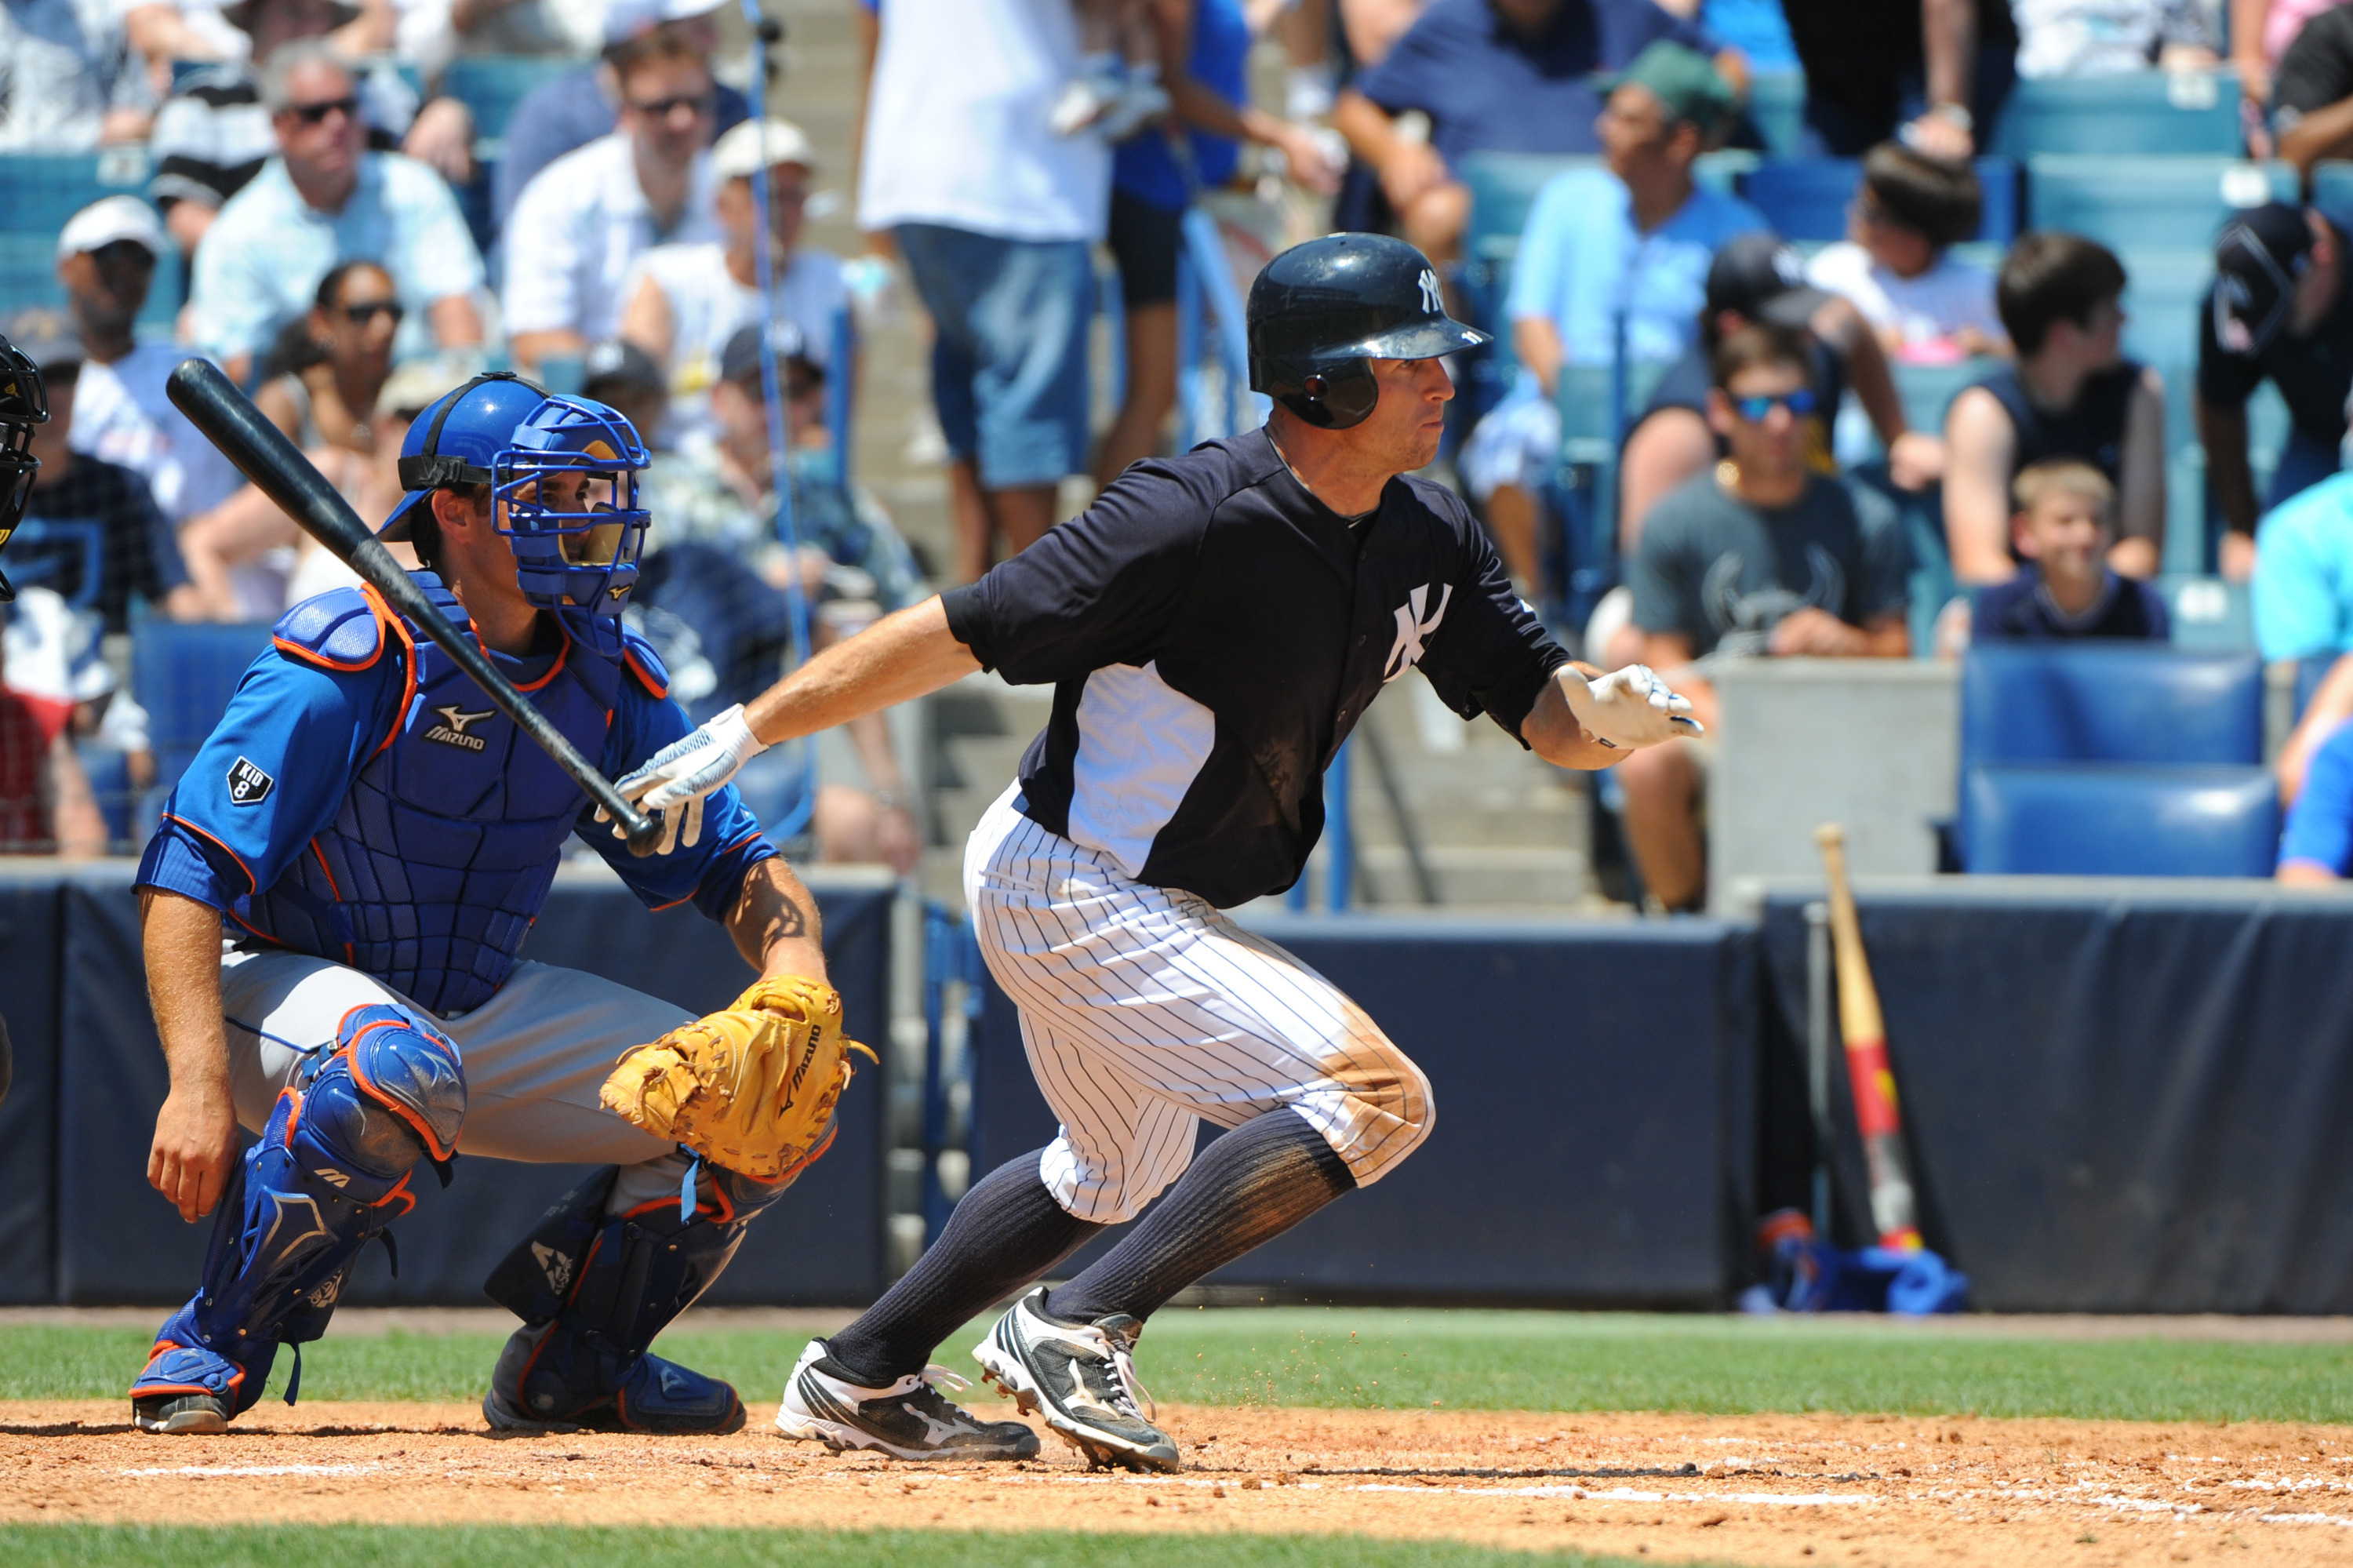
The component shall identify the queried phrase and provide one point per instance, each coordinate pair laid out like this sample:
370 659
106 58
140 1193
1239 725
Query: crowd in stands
353 246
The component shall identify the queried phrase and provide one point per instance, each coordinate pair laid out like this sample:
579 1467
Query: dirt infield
1752 1489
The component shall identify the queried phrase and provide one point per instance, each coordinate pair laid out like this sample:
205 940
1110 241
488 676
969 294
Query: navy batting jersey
1213 633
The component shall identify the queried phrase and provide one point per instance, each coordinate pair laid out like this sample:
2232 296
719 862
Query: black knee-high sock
1005 1231
1250 1186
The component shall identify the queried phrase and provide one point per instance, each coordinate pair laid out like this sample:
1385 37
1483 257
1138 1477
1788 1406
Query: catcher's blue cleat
188 1388
562 1376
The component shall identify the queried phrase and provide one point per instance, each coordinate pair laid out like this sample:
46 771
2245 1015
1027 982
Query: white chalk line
258 1470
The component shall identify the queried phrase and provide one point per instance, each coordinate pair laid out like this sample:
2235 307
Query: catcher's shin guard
330 1174
592 1289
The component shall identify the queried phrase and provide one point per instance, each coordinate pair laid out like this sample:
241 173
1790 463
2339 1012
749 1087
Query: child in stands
2063 526
1896 266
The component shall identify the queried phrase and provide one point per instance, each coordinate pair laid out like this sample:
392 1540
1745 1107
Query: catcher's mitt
752 1088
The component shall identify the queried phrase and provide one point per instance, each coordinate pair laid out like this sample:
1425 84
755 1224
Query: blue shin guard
330 1174
592 1289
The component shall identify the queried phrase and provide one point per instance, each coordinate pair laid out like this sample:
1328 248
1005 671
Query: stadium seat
109 771
1806 199
2150 112
492 85
2119 820
2175 202
2114 703
2310 671
38 191
1928 390
183 675
1503 187
1777 106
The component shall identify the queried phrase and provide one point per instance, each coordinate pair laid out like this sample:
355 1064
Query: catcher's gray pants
535 1055
1146 1010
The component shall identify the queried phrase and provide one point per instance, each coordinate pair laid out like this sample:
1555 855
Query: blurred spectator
107 255
1756 278
56 663
2279 309
1757 28
69 79
682 303
997 218
2070 394
715 507
242 555
2312 94
576 108
214 133
2108 38
2063 526
2316 845
1935 72
91 532
1765 556
2260 32
2324 716
1150 190
1895 263
169 31
432 33
1479 75
588 216
323 199
46 804
1622 251
2302 589
1372 27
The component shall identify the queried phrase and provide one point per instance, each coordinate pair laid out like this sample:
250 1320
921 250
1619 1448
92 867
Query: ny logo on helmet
1431 299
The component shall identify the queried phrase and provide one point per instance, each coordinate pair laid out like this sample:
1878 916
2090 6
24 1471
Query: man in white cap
574 109
685 301
589 215
106 260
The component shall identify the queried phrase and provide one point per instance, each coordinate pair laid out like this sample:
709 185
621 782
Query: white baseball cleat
1080 1378
910 1419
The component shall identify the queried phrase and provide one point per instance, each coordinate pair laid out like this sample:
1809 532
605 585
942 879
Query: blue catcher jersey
362 801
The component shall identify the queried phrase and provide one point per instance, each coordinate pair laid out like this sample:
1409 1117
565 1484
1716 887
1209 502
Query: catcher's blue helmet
576 549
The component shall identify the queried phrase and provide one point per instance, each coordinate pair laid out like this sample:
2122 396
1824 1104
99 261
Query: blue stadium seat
2310 671
2119 820
1807 199
2332 191
38 191
2115 703
1776 105
1928 390
492 85
109 771
183 675
2175 202
1503 187
2150 112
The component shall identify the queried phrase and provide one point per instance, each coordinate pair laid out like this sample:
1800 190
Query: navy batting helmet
1320 311
24 403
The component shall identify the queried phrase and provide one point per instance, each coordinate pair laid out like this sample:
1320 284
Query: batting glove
675 781
1629 707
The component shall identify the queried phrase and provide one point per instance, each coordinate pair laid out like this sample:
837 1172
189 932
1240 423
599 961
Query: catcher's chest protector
441 855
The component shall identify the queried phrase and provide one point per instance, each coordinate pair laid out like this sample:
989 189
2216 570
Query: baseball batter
1214 626
332 906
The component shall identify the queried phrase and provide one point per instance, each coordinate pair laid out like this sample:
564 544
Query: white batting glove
676 779
1629 707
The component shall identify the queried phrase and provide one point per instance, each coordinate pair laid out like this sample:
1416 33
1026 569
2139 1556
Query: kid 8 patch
249 785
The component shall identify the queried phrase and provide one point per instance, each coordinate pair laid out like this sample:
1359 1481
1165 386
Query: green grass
1365 1358
396 1546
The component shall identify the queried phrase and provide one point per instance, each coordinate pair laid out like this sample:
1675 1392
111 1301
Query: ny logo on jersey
249 785
1431 299
1411 629
451 731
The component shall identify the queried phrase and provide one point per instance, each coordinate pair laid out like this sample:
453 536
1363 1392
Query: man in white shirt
106 260
685 301
995 216
586 216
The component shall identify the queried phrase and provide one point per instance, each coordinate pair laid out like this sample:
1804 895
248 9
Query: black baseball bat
280 470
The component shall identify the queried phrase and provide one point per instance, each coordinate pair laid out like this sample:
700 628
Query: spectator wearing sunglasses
1764 557
329 372
579 227
324 198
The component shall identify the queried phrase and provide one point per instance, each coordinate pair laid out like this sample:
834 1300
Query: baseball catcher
373 837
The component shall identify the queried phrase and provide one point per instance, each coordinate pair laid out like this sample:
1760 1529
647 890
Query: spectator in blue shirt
572 110
2317 847
1476 76
1633 243
2302 591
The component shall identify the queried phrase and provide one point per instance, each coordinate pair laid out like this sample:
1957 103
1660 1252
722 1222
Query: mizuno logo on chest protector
451 730
1411 629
